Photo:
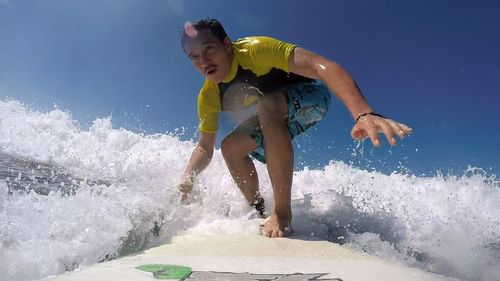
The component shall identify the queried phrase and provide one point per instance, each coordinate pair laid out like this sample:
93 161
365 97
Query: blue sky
434 65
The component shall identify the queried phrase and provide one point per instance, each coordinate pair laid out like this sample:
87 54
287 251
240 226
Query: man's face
209 55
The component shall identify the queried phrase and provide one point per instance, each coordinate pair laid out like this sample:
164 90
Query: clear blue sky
432 64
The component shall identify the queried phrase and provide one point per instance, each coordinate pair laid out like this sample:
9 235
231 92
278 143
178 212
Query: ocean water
72 197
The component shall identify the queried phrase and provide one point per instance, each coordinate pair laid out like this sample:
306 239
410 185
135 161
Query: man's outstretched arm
308 64
200 158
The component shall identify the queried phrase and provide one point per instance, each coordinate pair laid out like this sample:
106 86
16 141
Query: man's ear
228 44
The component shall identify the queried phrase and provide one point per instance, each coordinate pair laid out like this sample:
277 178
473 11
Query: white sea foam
445 224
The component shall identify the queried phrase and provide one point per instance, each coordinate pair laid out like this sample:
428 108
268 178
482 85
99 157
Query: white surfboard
253 257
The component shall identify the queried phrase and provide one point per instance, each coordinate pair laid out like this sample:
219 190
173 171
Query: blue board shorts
308 103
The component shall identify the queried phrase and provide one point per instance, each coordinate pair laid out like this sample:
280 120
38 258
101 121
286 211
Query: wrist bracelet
368 113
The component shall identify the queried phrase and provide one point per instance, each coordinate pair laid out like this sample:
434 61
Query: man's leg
272 114
235 149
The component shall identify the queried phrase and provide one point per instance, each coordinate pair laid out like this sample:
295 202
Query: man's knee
236 145
227 147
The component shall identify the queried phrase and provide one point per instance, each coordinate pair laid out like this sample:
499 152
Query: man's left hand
371 125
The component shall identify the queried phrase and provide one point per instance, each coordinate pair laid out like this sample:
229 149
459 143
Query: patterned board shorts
308 103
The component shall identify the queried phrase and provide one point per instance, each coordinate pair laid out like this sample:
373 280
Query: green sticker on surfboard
166 271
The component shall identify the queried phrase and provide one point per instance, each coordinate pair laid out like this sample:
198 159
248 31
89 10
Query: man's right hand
185 187
200 158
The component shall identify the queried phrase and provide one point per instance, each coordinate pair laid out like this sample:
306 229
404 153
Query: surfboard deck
253 257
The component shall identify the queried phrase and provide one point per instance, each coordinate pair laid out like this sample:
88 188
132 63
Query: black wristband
368 113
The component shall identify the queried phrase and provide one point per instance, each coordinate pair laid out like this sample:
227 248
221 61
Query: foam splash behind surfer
290 89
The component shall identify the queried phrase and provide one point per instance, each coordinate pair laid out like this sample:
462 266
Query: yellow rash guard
260 65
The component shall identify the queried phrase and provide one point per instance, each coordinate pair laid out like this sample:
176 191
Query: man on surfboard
278 90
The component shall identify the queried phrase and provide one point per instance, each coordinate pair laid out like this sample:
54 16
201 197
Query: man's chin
213 79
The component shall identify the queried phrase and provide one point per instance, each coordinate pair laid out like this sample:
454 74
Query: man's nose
204 60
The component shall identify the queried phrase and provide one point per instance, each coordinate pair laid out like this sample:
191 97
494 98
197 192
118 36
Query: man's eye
209 48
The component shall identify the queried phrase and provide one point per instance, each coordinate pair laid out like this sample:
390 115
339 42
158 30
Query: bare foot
275 227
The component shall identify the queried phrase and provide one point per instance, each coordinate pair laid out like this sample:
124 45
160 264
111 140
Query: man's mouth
210 70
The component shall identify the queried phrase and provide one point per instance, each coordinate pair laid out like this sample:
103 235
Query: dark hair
211 24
